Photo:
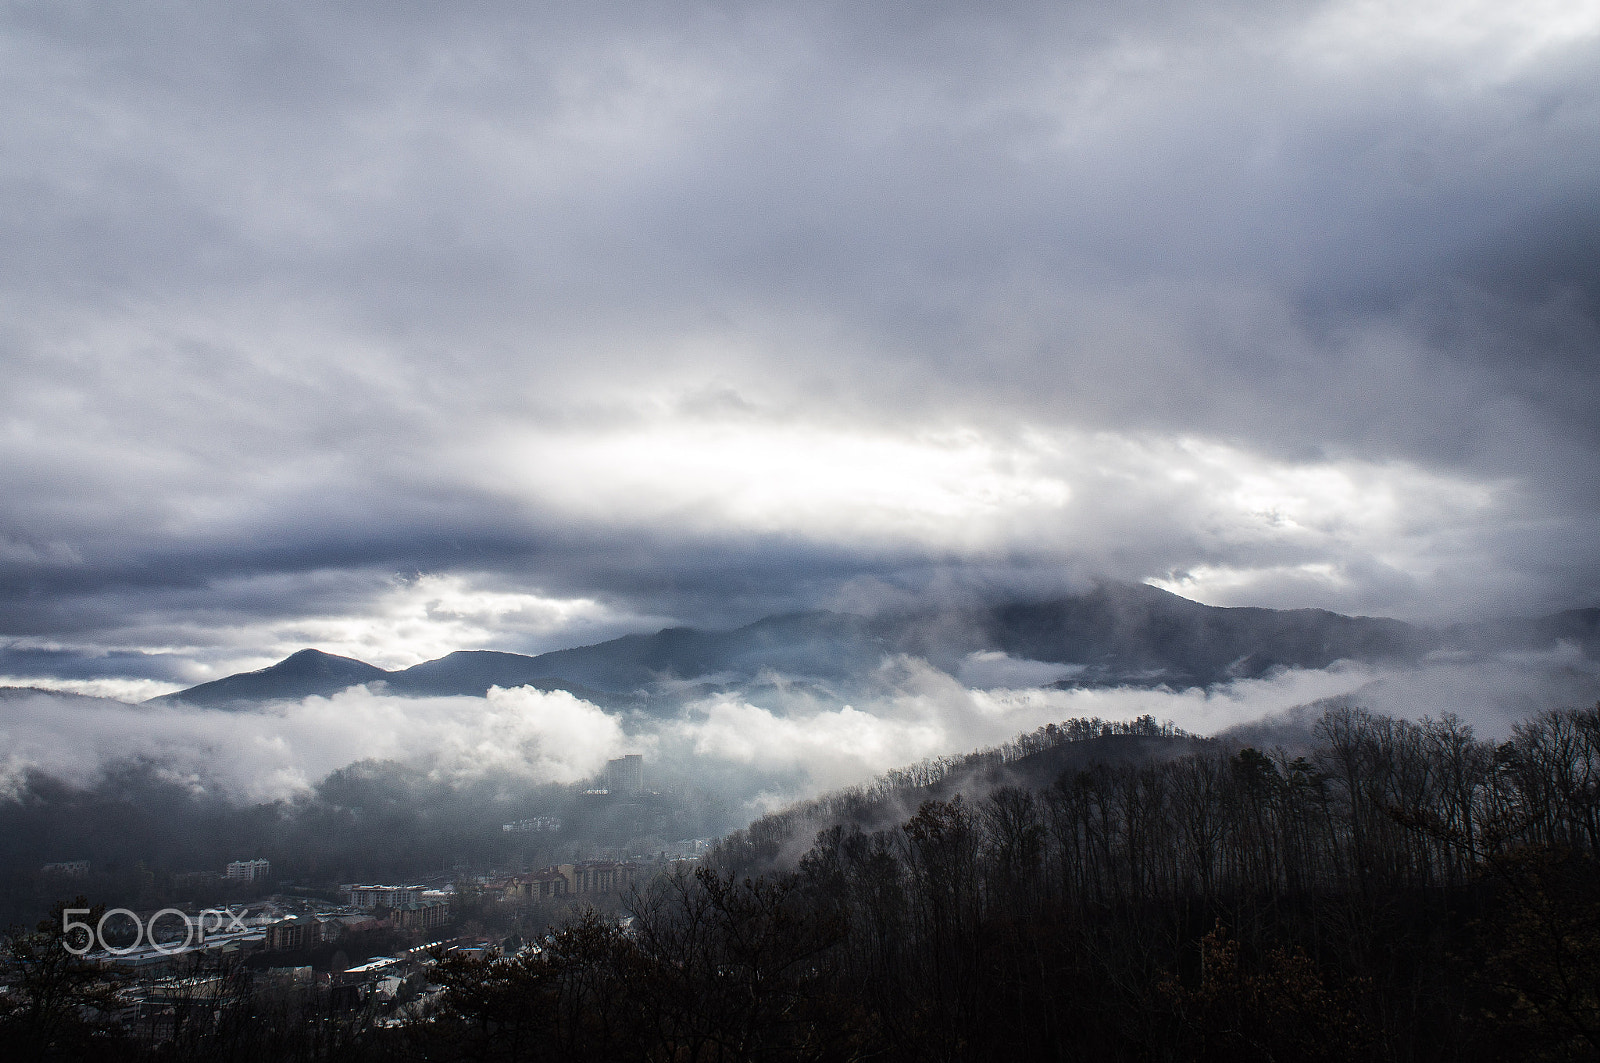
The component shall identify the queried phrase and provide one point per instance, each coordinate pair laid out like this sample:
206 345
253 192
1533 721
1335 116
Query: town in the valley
354 945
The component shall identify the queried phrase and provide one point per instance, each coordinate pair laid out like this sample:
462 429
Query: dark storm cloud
1293 304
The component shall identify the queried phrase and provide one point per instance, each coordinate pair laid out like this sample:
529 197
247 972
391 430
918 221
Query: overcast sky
400 328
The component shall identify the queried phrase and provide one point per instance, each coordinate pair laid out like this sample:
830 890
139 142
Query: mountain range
1116 634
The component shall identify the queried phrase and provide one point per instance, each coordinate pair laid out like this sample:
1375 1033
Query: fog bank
761 746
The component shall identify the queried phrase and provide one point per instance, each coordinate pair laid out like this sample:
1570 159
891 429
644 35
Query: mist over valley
339 771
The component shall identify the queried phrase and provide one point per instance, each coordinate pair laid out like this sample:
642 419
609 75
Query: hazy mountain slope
1580 627
1126 632
820 645
981 775
297 676
473 672
1032 762
1119 634
28 693
1037 770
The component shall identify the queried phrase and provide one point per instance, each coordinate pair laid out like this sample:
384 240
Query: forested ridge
1401 891
1397 891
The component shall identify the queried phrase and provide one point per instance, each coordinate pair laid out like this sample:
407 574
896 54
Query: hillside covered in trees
1399 891
1406 891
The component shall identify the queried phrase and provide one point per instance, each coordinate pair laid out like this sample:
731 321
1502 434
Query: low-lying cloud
762 747
284 748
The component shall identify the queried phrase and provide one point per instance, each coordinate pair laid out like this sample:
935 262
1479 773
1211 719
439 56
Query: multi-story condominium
382 896
249 870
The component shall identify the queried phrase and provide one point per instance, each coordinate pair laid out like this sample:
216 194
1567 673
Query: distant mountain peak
312 658
304 673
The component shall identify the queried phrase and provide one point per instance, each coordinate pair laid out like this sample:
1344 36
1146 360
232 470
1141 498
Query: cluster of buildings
237 871
587 878
281 924
536 825
409 907
293 933
384 979
156 1006
211 933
